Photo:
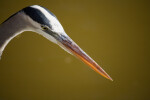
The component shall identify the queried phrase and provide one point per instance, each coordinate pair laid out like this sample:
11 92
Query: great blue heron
40 20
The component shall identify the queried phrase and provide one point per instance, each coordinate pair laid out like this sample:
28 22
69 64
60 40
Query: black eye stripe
37 15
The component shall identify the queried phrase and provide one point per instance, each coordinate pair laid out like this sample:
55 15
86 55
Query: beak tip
104 74
110 79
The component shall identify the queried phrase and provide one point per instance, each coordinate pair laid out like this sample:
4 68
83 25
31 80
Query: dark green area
115 33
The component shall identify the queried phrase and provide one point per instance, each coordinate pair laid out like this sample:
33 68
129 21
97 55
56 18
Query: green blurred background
115 33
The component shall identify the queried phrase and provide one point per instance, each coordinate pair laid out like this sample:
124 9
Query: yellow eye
44 27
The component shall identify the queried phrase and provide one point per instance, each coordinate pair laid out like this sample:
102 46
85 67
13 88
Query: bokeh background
116 33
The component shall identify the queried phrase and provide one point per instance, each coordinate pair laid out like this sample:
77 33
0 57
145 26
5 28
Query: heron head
45 23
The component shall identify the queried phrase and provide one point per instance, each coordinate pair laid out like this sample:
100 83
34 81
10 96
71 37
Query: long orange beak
73 48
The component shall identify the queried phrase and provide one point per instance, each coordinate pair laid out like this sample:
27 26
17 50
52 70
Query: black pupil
44 28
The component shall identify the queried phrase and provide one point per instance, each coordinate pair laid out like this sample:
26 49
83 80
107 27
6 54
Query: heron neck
9 29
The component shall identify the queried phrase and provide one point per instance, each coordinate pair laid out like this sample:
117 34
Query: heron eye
44 27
